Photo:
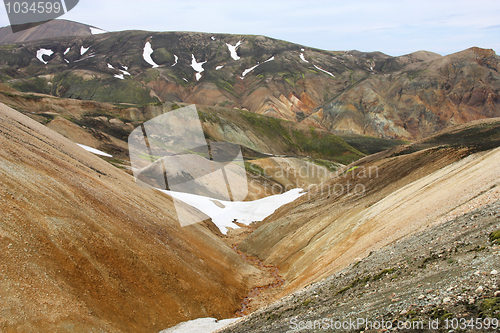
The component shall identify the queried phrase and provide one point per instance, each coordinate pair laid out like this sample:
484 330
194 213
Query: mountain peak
50 30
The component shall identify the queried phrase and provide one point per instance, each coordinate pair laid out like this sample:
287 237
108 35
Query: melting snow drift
84 50
248 70
244 212
176 58
94 151
43 52
202 325
232 50
148 51
197 66
324 71
96 31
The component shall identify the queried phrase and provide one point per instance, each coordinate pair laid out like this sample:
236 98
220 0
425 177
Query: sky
393 27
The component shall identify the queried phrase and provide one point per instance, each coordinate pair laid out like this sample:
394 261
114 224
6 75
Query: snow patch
110 66
148 51
219 67
124 72
198 67
244 212
96 31
185 79
84 50
176 58
302 57
202 325
43 52
67 50
232 50
119 76
94 151
212 38
125 68
324 71
248 70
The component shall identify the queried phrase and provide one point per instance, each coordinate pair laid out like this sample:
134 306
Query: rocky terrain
446 271
346 92
392 194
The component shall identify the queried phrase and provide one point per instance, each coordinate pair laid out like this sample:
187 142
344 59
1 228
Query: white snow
125 68
197 66
119 76
176 58
148 51
67 50
82 59
124 72
67 61
84 50
110 66
248 70
213 38
302 57
232 50
302 50
200 325
185 79
244 212
219 67
96 31
94 151
43 52
324 71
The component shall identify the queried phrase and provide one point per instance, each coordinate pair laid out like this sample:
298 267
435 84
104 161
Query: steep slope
378 200
84 248
352 92
50 30
446 271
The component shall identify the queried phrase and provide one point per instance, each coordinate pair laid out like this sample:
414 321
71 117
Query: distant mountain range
406 97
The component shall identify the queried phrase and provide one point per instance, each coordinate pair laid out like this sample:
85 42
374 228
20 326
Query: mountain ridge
349 92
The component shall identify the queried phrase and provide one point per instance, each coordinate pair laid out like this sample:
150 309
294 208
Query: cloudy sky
393 27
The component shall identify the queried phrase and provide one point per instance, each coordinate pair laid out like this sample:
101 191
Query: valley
372 184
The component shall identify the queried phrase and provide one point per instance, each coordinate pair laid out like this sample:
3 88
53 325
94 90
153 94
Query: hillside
85 248
447 271
376 201
351 92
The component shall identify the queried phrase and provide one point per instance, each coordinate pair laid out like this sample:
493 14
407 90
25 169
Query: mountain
445 271
49 30
397 156
344 92
378 200
85 248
